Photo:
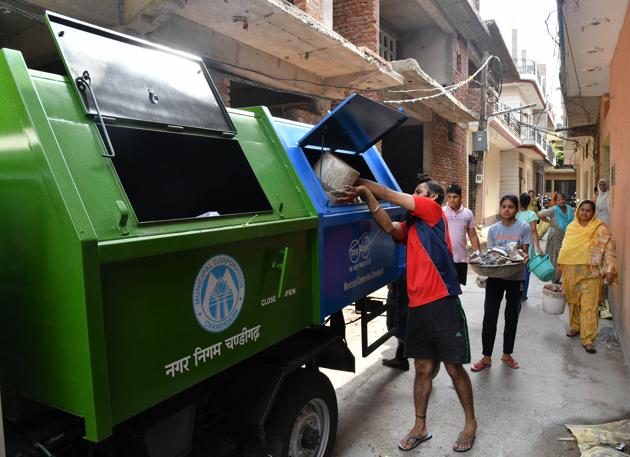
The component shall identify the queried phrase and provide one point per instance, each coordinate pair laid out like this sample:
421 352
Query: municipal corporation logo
359 248
218 293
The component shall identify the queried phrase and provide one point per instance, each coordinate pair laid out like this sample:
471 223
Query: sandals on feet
572 332
415 441
466 442
480 365
590 348
512 363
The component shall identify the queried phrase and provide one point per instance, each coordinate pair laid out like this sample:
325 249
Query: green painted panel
51 338
98 184
90 316
151 319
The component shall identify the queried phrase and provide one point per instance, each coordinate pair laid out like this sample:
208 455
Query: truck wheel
303 422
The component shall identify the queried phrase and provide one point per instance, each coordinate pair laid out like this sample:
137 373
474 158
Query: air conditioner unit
478 179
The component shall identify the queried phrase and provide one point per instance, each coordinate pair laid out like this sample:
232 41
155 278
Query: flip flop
465 441
572 332
512 363
416 442
478 366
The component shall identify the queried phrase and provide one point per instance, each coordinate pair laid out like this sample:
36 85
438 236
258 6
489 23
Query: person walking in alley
603 202
529 217
436 325
559 216
461 223
587 257
508 230
534 204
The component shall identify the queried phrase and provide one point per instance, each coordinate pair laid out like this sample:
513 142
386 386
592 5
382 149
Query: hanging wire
444 91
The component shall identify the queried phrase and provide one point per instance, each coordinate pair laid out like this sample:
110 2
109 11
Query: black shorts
438 330
462 272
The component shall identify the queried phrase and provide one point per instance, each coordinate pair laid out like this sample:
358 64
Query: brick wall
302 115
460 67
222 83
449 159
357 21
314 8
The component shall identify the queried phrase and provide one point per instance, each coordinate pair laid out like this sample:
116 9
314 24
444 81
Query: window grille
387 46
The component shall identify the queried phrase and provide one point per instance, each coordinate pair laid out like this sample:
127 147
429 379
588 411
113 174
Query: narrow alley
196 195
521 412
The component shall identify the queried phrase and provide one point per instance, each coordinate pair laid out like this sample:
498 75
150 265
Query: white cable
444 90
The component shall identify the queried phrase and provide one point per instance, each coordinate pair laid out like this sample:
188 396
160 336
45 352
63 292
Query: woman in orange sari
586 258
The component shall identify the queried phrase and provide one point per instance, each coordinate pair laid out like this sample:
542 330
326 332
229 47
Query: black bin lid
355 125
139 81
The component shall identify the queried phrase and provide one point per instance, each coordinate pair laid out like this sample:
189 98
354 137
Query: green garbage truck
159 264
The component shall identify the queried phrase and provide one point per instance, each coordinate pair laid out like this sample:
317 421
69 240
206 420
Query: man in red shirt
436 325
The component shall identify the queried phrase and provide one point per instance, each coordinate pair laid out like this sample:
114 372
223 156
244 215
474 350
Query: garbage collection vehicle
161 270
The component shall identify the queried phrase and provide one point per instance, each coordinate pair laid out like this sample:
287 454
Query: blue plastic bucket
542 267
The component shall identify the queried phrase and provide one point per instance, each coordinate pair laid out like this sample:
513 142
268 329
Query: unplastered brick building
302 57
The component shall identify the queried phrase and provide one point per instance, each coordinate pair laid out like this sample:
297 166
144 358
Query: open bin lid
138 81
355 125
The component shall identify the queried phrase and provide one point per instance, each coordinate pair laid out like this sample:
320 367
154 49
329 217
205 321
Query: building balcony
538 139
519 126
528 69
507 118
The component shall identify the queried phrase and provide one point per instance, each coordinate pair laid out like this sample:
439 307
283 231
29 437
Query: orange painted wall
616 124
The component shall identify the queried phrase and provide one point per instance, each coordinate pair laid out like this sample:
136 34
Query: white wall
509 173
491 183
529 173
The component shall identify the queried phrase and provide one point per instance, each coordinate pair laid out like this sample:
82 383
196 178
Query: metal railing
509 118
528 68
551 155
520 125
535 137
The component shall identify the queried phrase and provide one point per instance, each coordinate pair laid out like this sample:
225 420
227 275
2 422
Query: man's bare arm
379 214
385 193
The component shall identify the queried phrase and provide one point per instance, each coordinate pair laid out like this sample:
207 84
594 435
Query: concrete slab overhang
568 170
533 151
423 85
582 111
273 42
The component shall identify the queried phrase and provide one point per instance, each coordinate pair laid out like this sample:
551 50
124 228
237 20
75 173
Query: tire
303 422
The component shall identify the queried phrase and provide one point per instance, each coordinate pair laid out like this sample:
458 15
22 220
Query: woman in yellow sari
586 258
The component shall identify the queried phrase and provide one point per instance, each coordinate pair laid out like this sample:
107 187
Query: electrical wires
443 90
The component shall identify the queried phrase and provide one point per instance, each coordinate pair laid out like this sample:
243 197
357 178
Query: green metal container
114 296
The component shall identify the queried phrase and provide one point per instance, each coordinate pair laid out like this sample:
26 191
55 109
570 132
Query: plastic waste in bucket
542 267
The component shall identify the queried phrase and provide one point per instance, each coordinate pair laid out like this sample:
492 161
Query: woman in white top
603 202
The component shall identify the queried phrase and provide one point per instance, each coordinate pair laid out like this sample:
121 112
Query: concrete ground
520 412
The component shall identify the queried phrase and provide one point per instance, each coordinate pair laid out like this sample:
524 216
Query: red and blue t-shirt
431 273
